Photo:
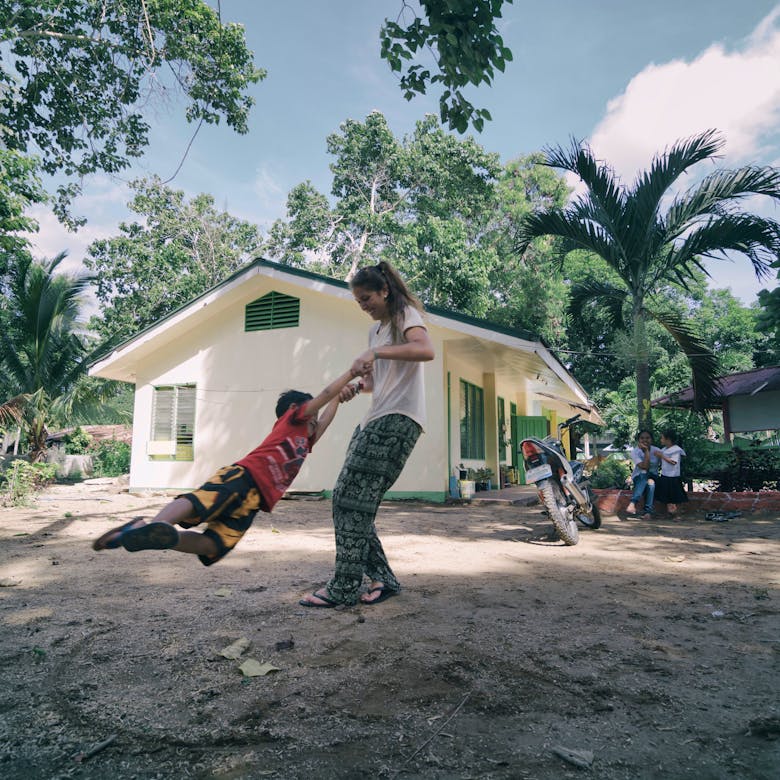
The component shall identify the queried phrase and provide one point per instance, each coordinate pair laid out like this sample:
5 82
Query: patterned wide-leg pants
375 458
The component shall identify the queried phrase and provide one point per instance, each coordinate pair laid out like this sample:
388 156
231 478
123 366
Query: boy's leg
196 543
193 542
177 510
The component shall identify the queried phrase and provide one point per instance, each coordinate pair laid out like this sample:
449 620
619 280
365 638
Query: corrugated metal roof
759 380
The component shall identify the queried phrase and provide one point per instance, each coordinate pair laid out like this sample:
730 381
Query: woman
646 458
398 344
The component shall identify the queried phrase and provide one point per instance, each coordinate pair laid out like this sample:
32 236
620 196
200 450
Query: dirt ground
649 650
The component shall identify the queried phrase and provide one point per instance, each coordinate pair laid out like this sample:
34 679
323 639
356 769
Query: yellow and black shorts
227 503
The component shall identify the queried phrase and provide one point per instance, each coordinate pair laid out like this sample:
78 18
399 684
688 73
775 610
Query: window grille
173 422
472 421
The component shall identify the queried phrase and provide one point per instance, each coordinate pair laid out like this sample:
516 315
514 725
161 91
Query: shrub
611 473
750 469
110 458
77 442
22 479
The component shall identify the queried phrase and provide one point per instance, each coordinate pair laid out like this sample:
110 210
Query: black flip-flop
716 517
98 544
153 536
329 602
385 593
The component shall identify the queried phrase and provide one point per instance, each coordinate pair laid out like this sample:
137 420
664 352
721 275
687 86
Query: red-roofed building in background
749 400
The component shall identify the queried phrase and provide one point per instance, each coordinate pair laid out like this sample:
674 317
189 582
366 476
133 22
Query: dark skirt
670 490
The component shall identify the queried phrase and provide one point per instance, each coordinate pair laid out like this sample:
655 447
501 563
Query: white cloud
270 198
736 92
104 201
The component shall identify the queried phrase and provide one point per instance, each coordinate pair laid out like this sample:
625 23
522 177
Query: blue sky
629 76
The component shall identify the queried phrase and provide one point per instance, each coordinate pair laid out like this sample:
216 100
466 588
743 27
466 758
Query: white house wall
239 376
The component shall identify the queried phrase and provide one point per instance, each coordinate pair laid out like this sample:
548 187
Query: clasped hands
362 366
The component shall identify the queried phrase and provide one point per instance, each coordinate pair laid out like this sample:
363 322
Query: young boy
228 501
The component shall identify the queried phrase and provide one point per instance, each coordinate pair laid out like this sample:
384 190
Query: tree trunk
644 411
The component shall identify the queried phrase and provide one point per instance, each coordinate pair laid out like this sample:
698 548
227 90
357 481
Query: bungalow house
208 375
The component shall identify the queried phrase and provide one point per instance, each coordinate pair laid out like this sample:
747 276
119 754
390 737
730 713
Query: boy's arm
667 459
328 394
326 418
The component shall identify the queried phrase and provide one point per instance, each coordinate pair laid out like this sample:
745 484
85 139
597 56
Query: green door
524 427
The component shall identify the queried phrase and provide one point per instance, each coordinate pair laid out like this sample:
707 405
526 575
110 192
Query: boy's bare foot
110 539
647 516
631 508
671 508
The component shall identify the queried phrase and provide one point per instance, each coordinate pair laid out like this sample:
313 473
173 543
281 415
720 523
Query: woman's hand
363 363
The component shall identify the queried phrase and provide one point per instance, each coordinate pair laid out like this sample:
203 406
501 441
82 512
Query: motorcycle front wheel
592 520
555 503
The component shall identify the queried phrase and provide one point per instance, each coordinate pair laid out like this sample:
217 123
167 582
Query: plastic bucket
467 488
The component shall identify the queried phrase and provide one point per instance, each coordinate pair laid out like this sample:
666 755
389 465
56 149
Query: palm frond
703 362
575 231
604 295
651 186
717 193
755 237
11 411
604 189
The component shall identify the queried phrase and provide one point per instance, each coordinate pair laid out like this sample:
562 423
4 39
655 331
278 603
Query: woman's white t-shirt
399 385
675 452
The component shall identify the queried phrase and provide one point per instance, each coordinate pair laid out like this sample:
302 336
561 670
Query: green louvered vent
272 311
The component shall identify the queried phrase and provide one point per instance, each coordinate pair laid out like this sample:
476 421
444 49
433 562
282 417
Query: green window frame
503 430
472 421
173 423
271 311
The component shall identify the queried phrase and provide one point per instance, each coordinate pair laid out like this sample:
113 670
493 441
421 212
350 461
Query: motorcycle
564 490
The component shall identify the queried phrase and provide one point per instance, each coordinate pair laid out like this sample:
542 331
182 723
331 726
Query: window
274 310
472 421
503 430
173 423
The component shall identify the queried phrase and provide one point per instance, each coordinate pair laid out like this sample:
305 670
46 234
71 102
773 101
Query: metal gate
522 428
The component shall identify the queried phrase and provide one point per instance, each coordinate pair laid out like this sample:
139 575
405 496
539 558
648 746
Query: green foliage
20 188
43 354
753 468
464 41
618 409
424 203
648 249
78 442
177 251
21 479
111 458
611 473
769 319
527 293
79 73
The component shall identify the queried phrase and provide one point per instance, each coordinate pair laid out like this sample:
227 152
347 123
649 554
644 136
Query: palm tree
43 355
650 245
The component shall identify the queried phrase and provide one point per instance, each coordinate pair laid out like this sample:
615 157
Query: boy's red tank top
275 463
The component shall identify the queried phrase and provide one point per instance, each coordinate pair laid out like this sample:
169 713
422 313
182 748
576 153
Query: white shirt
638 455
675 452
399 385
